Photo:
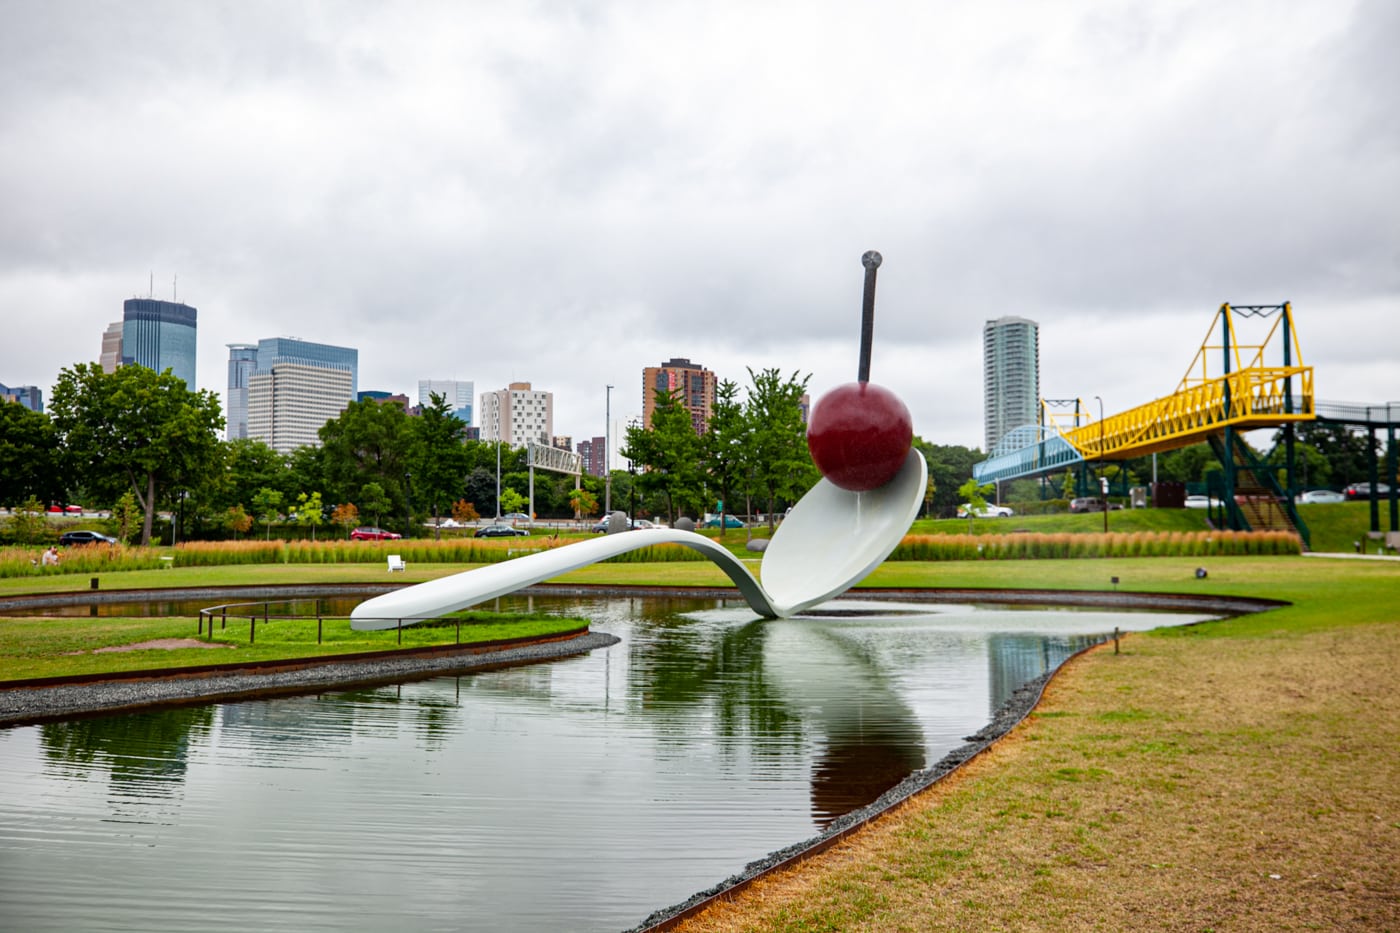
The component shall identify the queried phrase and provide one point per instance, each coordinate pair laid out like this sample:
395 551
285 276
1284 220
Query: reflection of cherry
859 435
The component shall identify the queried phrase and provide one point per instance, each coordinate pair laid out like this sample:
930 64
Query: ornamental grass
1030 546
19 561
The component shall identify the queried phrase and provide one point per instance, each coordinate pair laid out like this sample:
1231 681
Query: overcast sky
564 193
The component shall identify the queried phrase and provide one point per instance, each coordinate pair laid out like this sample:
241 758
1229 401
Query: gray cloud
566 193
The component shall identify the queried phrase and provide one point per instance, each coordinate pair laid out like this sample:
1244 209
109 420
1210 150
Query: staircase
1257 502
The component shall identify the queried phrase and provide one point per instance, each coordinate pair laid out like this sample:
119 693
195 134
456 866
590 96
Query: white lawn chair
396 563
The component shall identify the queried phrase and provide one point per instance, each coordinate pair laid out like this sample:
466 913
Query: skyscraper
459 395
694 384
160 335
111 348
1010 375
517 414
31 397
242 363
295 387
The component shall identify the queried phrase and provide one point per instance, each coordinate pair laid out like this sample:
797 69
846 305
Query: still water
577 795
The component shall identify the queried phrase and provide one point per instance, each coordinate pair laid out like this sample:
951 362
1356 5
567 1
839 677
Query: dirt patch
166 644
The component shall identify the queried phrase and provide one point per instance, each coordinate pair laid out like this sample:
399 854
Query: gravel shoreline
20 705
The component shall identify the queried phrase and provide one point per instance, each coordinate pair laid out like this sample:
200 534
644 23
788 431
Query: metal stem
871 260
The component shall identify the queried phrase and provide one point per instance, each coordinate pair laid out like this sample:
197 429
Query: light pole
1103 480
607 454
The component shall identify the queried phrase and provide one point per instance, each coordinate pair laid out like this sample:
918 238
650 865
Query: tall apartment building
294 388
696 386
517 414
242 363
594 454
1010 376
30 397
460 396
111 356
160 335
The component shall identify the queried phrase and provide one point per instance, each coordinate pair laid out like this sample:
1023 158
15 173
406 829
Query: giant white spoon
830 541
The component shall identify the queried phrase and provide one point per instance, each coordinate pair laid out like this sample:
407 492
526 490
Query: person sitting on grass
51 557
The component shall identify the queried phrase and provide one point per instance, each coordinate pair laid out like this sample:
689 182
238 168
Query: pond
581 794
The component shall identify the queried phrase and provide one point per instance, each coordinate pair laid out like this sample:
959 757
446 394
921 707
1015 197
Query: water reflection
578 795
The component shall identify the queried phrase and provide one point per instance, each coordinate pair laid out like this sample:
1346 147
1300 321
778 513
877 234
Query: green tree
266 502
975 495
373 500
780 464
369 443
949 466
724 447
250 465
512 501
29 524
309 511
437 458
126 515
135 429
28 455
669 451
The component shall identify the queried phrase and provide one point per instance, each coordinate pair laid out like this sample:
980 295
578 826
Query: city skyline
583 215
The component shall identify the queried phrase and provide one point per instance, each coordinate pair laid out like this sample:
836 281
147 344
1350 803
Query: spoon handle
871 260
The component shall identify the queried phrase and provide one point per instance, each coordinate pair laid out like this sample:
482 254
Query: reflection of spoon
830 541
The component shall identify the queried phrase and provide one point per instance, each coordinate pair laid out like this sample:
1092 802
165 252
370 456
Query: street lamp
607 453
1103 480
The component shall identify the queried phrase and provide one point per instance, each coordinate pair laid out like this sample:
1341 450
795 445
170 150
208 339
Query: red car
370 533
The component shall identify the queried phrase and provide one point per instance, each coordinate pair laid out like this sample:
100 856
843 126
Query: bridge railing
1261 396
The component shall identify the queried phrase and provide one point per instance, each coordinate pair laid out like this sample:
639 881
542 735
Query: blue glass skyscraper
160 335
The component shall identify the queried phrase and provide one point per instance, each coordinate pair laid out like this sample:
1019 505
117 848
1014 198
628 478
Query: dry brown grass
1188 784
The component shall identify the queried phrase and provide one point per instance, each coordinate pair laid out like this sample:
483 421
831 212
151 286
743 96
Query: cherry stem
871 260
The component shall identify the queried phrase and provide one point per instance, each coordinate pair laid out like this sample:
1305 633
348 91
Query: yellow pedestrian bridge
1231 387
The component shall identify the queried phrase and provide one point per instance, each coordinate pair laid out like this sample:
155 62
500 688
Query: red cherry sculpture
860 435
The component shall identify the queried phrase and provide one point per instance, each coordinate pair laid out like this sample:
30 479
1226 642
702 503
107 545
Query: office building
517 415
694 383
1010 376
460 396
242 363
28 396
295 387
160 335
274 350
290 403
111 356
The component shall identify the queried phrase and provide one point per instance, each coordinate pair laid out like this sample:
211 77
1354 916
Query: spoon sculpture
843 528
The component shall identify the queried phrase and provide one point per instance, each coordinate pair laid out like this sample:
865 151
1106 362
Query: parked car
990 510
74 510
73 538
371 533
1315 496
1363 490
1086 504
601 525
501 530
515 517
729 522
1201 502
